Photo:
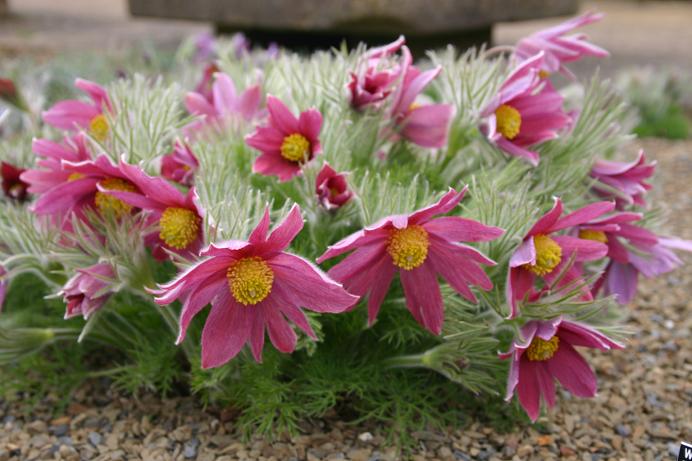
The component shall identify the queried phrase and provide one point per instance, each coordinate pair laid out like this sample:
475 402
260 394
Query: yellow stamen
548 255
408 247
98 128
250 280
508 121
179 227
541 350
597 236
75 176
543 74
295 147
413 106
109 204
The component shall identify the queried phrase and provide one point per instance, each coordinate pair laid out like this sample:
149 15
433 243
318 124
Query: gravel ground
642 411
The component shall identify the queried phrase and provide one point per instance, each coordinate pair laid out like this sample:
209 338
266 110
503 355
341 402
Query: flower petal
423 297
226 331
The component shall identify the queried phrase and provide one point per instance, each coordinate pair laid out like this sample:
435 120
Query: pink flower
544 255
426 125
253 286
225 105
51 171
180 165
374 84
12 184
73 114
623 181
88 290
632 250
545 353
419 247
558 47
85 187
286 142
177 215
205 85
526 112
331 188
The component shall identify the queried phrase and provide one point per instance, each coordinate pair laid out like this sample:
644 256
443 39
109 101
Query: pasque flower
623 181
205 85
286 142
426 125
331 188
83 185
88 290
253 286
373 84
178 216
546 352
74 114
225 105
558 47
12 184
543 254
180 165
631 250
526 112
419 246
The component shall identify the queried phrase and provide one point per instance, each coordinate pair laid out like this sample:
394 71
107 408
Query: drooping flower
426 125
331 188
286 142
12 184
50 171
88 290
178 216
180 165
623 181
74 114
419 247
252 286
375 82
83 188
543 254
225 106
559 48
10 94
631 250
546 352
526 112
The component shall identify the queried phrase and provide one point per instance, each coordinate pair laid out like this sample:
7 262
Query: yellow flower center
508 121
413 106
541 350
408 247
295 147
250 280
179 227
75 176
597 236
98 128
548 255
109 204
543 74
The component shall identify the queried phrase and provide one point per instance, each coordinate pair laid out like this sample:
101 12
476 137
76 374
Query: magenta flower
88 290
85 187
253 286
558 47
526 112
426 125
286 142
224 107
375 83
205 85
546 352
177 215
12 184
331 188
180 165
73 114
51 171
418 246
623 181
544 255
